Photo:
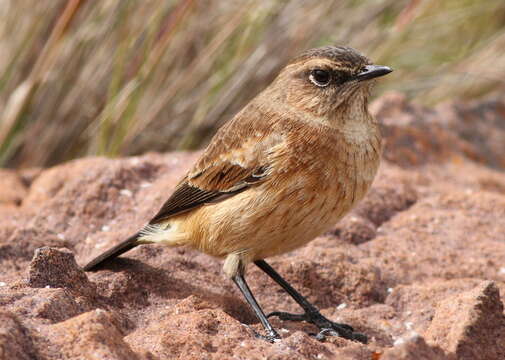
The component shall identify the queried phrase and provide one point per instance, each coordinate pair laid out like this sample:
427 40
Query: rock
15 342
414 348
306 347
92 335
50 182
479 123
12 188
415 303
329 284
384 201
433 236
416 135
44 305
19 243
413 138
470 325
57 268
355 229
191 335
407 266
194 335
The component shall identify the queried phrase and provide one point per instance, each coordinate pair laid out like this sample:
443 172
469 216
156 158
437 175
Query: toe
271 337
288 316
362 338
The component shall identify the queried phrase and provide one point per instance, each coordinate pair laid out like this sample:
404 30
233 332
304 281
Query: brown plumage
285 169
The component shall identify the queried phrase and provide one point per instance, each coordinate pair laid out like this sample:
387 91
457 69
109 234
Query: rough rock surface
418 266
475 333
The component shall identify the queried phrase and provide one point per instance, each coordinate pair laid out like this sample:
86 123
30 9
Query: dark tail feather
117 250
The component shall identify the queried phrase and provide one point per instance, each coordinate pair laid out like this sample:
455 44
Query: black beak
373 71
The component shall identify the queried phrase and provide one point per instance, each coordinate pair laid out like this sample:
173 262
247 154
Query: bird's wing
236 159
215 184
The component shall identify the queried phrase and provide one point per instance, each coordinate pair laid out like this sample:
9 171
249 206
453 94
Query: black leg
312 314
272 335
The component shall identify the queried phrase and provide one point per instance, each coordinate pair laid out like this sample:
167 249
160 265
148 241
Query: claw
326 327
271 338
321 336
345 331
341 330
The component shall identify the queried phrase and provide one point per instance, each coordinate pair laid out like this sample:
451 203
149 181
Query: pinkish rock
92 335
56 268
414 348
407 261
417 135
413 138
15 341
470 325
415 304
45 305
12 188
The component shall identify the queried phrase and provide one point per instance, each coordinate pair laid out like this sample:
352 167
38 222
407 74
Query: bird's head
328 80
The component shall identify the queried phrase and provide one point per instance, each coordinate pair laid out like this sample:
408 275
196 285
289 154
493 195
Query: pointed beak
373 71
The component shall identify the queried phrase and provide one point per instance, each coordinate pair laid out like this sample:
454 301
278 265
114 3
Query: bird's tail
113 252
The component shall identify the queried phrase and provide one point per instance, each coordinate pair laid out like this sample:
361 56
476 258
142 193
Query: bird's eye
320 77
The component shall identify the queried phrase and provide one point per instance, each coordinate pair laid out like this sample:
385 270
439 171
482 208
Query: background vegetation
121 77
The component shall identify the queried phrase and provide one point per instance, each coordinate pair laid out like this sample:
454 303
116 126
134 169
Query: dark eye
320 77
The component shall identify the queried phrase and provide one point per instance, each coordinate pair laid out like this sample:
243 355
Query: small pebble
342 306
412 335
399 341
126 192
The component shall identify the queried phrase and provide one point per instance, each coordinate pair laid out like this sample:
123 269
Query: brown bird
284 170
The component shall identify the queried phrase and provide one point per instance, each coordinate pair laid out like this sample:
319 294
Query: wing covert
211 185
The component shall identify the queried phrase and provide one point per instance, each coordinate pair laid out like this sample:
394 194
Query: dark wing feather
209 186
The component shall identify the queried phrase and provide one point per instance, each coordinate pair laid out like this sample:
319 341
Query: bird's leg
271 335
311 314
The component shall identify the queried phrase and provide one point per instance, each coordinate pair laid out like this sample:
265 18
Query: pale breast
316 207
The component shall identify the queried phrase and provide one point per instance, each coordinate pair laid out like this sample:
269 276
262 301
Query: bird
284 170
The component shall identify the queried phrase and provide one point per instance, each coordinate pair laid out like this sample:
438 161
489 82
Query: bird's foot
326 326
271 336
